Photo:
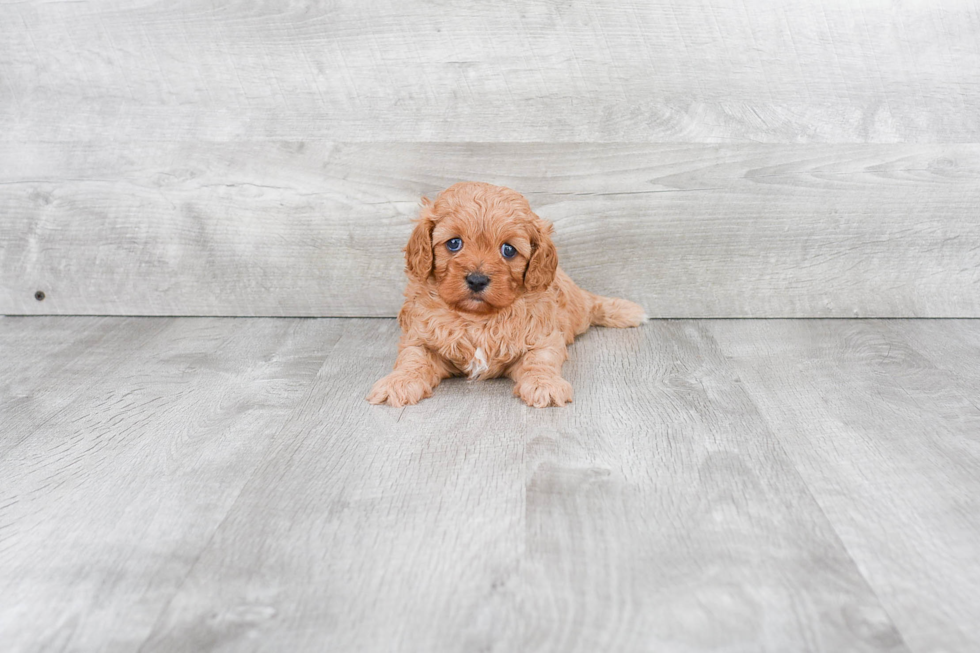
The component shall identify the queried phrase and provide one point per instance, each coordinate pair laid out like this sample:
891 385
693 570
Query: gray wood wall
714 158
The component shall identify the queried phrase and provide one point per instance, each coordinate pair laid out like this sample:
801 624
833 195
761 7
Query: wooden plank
106 504
378 529
671 71
663 514
226 487
48 365
32 357
950 345
369 528
888 443
317 229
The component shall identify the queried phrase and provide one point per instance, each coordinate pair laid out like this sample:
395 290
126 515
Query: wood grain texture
45 370
663 514
226 487
107 501
672 71
317 229
367 528
881 419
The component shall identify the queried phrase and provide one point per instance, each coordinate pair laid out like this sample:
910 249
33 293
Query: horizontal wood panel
670 71
317 229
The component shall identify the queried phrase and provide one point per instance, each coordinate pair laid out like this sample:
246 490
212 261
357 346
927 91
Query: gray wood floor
197 484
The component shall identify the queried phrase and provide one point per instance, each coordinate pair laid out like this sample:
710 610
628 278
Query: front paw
399 390
543 392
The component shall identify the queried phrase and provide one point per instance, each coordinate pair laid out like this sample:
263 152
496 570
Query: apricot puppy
486 298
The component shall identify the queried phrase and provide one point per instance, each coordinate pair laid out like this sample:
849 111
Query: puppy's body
507 334
516 324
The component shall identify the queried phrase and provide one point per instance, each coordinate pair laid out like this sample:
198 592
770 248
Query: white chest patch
478 365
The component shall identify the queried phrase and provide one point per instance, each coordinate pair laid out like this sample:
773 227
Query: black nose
477 282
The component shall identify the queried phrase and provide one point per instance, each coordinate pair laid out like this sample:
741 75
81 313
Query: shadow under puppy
486 298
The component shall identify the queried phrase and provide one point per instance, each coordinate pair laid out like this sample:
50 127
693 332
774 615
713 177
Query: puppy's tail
615 312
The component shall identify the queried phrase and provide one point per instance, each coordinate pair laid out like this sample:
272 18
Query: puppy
486 298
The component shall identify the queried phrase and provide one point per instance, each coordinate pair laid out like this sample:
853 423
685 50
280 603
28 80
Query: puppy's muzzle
477 282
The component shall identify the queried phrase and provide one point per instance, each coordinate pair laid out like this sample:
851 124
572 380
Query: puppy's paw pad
541 393
398 390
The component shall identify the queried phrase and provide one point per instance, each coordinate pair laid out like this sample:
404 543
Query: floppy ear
418 251
544 257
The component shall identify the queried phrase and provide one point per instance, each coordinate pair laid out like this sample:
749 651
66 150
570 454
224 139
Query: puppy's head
482 246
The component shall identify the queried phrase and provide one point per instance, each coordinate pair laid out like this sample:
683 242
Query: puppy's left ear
418 251
544 257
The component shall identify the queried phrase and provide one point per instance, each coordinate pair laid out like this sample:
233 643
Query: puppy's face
482 246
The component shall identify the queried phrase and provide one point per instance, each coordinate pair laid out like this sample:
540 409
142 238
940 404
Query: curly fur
518 326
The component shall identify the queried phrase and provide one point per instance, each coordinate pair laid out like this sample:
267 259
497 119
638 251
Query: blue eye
454 244
508 250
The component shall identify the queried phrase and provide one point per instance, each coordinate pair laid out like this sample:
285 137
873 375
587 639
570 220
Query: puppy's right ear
418 251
